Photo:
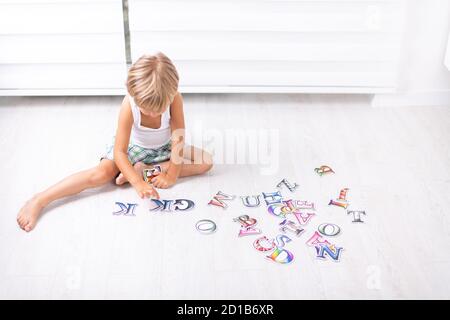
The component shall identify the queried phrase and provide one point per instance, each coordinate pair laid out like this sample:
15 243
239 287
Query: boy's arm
165 180
178 132
121 152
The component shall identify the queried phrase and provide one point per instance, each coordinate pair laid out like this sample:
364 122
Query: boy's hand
145 190
163 180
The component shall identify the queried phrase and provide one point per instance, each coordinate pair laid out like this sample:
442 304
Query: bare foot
29 214
138 167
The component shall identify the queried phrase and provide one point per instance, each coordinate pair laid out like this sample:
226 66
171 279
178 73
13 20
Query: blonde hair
153 82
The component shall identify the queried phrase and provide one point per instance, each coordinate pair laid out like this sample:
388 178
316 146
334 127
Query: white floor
394 160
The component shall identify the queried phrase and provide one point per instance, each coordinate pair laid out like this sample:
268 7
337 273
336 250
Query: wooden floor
395 161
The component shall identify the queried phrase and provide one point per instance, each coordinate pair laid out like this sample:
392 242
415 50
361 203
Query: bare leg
138 167
196 161
91 178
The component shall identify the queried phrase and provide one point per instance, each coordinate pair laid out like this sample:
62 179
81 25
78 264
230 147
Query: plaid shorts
137 153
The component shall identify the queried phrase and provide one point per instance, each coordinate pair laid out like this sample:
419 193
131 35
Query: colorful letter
332 251
126 210
281 240
343 195
189 204
339 204
245 221
303 218
288 185
217 200
323 170
258 246
281 256
299 204
316 239
287 225
248 231
324 229
356 215
163 205
271 198
246 201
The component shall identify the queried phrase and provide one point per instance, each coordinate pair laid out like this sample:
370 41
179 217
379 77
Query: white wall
423 77
326 46
447 54
76 47
62 47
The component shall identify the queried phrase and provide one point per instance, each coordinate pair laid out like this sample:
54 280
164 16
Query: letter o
329 229
206 226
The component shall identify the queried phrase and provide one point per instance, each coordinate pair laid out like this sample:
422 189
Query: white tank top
149 137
